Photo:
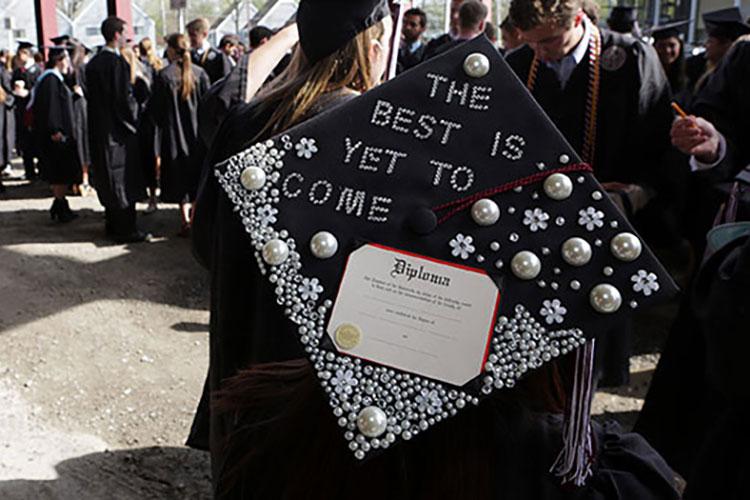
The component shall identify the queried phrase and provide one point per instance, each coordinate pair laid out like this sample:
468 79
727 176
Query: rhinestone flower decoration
462 246
344 381
310 288
553 311
645 282
536 219
591 218
306 148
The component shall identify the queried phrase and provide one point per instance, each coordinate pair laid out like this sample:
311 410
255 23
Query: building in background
234 21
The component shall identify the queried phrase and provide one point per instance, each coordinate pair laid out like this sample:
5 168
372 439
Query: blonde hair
149 52
179 45
293 94
129 56
199 25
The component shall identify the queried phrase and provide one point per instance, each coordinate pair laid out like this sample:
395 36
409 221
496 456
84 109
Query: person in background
510 35
258 36
148 132
7 115
76 80
670 48
436 43
54 129
412 47
723 28
177 91
490 31
228 45
563 47
471 21
215 63
115 165
24 77
623 19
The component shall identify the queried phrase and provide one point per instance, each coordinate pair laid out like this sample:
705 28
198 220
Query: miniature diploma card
418 314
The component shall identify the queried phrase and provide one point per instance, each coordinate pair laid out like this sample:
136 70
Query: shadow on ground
145 473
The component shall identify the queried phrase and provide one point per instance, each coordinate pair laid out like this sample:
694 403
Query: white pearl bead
605 298
372 421
526 265
626 247
275 252
558 186
576 251
564 159
476 65
253 178
485 212
323 245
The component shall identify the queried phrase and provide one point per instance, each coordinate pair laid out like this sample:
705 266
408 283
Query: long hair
293 94
149 52
181 49
129 56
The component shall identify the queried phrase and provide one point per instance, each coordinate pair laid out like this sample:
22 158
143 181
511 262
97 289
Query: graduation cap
622 18
668 30
61 40
725 23
435 240
326 26
24 44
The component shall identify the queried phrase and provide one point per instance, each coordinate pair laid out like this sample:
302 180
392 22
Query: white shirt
564 67
205 46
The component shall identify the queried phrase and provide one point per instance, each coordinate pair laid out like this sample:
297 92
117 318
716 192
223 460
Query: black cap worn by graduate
434 240
725 23
668 30
23 44
326 26
622 18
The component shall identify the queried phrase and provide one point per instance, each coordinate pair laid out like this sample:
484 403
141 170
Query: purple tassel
573 464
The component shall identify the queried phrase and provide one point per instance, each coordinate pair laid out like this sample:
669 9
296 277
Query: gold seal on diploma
348 336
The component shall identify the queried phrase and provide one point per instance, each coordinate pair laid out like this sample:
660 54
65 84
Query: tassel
573 464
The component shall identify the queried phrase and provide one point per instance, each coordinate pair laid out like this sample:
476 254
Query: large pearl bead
626 247
485 212
526 265
605 298
372 421
323 245
558 186
576 251
476 65
275 252
253 178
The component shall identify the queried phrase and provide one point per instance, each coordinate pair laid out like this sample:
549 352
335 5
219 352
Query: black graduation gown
148 132
7 119
632 145
112 108
408 59
81 115
215 63
221 98
182 152
53 112
435 44
24 138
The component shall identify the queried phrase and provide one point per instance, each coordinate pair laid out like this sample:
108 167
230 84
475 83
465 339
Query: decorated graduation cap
668 30
725 23
434 240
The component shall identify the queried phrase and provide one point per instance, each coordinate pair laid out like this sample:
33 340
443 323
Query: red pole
46 22
124 10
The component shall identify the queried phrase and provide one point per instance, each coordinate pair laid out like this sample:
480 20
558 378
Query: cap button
422 221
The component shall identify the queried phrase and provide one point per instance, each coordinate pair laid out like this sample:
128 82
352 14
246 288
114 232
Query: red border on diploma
436 261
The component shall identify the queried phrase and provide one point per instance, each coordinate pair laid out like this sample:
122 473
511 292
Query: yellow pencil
679 110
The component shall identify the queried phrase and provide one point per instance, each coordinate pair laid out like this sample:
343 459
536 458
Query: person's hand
58 137
697 137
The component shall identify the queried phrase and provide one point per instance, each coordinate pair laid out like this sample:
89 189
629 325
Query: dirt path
103 352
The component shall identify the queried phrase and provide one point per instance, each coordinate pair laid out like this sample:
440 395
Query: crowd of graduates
664 130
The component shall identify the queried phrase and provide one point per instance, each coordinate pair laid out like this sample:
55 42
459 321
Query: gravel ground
103 352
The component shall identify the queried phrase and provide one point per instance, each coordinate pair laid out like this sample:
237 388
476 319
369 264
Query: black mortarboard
326 26
622 18
725 23
61 39
23 44
450 168
668 30
56 50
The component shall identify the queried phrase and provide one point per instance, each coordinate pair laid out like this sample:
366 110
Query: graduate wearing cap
112 114
24 77
449 172
54 131
670 48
